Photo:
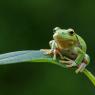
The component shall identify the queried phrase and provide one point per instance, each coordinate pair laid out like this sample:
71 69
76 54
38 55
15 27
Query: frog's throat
61 43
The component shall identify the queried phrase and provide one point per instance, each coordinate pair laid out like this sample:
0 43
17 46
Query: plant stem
90 76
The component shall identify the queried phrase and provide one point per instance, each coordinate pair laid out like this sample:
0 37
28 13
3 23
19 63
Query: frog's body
68 43
82 43
69 51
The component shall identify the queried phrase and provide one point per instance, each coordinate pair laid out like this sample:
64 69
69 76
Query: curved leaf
27 56
35 56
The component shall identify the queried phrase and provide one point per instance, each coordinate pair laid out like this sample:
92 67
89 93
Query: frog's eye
71 32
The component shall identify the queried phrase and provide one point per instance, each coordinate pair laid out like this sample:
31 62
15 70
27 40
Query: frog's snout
57 32
56 28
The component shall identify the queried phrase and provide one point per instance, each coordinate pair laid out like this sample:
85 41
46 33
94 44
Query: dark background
27 25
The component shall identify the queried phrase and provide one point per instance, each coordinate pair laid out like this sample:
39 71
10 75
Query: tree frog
66 43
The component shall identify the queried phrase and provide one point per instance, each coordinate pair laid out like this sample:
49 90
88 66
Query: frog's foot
66 62
69 63
72 64
81 68
47 51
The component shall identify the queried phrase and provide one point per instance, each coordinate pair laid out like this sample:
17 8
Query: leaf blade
27 56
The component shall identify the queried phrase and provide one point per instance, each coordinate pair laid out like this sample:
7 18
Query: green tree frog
66 43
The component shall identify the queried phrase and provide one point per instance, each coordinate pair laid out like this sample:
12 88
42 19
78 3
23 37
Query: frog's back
82 43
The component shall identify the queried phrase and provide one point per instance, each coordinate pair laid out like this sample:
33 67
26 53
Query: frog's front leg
52 48
55 50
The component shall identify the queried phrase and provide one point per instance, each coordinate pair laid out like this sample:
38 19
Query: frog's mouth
63 42
58 37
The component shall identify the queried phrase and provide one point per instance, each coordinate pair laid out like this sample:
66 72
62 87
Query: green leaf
35 56
27 56
90 76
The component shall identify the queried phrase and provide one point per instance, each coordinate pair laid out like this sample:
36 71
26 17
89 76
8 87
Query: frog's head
65 35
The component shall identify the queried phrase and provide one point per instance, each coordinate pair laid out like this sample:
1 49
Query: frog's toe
54 58
81 68
84 66
69 66
77 71
46 51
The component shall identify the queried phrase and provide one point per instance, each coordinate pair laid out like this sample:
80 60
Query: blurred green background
27 25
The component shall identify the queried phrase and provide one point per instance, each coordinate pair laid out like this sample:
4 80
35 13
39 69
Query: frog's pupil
71 32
